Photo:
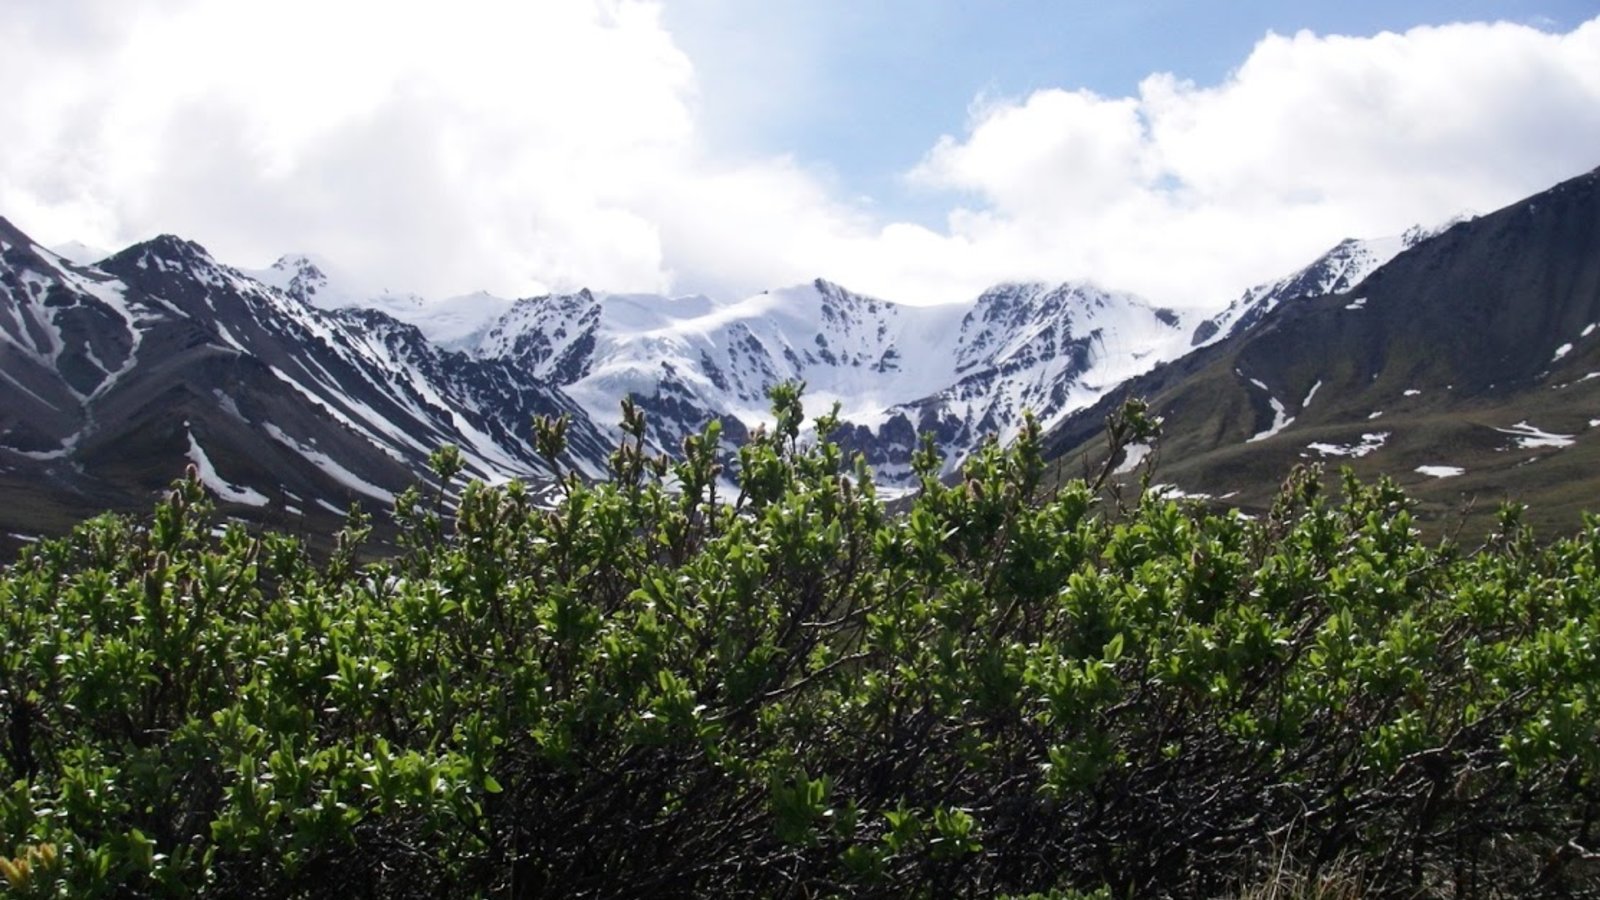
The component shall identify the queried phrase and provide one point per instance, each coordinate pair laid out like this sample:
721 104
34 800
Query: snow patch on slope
1309 394
218 485
1528 437
1173 492
329 466
1368 443
1133 455
1280 416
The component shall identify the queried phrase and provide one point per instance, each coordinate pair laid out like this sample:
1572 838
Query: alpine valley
1463 360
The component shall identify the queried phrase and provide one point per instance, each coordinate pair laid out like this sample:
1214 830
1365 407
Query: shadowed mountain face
122 375
1468 368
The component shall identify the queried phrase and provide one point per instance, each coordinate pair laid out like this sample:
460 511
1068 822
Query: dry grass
1290 879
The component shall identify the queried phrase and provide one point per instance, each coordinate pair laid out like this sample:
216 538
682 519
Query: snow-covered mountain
120 374
80 253
446 322
1338 270
1050 350
962 371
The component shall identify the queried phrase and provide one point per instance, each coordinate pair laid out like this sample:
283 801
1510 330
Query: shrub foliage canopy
666 686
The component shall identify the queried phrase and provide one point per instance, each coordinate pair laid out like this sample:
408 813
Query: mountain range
295 395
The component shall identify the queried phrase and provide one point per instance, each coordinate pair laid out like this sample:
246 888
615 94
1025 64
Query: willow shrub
661 686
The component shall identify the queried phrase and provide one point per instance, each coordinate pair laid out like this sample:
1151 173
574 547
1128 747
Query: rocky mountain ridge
293 393
159 356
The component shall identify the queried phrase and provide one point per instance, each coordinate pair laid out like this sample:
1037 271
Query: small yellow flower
17 872
44 854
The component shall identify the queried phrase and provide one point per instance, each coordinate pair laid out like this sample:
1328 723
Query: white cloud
1187 193
515 145
442 146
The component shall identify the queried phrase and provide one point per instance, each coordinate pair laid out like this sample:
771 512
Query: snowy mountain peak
1416 234
298 276
549 336
1015 301
1010 318
80 253
1343 267
450 322
296 263
168 251
838 295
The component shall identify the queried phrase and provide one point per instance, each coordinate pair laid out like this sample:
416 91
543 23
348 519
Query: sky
916 150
